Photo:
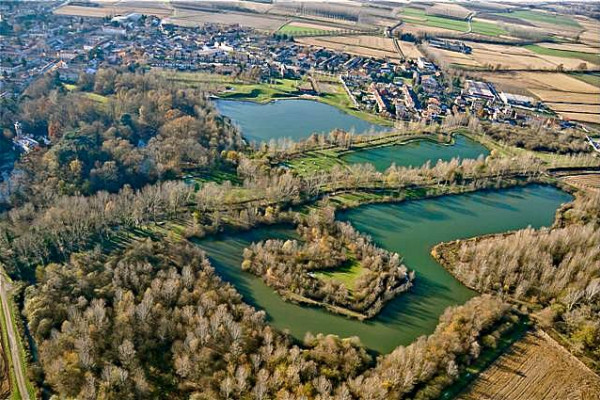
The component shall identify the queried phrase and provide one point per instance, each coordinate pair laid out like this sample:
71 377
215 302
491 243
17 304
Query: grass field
591 78
293 30
536 16
347 274
535 367
419 17
589 57
262 92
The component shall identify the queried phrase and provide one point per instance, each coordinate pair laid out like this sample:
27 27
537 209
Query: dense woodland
38 234
155 319
128 129
557 268
289 266
567 141
122 306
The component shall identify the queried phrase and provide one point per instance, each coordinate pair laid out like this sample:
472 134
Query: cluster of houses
406 90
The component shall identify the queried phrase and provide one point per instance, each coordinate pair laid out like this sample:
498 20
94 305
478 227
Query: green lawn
419 17
262 92
313 162
346 274
537 16
589 57
593 78
301 31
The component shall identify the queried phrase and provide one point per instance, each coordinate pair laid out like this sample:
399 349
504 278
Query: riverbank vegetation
292 266
557 269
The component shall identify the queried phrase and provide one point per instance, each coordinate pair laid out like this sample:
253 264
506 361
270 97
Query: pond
409 228
295 119
417 153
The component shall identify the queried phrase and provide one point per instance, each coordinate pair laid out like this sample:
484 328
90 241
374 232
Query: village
408 90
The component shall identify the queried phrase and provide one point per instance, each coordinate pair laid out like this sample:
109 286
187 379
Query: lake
294 118
417 153
409 228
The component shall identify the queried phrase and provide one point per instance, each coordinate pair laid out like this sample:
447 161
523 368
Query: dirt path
12 339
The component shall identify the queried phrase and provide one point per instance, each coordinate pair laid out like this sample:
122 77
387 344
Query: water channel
411 229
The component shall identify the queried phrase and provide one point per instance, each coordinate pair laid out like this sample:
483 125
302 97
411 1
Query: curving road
12 339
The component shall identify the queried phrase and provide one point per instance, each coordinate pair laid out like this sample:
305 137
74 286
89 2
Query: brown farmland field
363 45
591 33
507 57
535 368
586 182
257 21
112 8
410 50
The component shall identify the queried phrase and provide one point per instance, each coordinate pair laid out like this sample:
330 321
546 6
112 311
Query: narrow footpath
12 340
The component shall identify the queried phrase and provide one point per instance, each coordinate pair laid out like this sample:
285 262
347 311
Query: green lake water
295 119
417 153
409 228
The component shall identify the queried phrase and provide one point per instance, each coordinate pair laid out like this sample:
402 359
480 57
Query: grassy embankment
15 395
419 17
545 51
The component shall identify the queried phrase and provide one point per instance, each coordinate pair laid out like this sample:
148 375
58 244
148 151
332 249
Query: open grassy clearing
347 274
588 57
92 96
535 367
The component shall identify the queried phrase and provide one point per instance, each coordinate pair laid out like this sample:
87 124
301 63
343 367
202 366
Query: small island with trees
333 266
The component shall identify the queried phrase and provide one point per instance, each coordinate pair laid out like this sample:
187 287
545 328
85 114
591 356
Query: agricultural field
256 21
585 182
568 95
361 45
591 78
591 32
592 57
420 17
541 17
507 57
535 367
410 50
296 29
114 7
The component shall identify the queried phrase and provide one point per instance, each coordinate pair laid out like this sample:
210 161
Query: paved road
12 339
